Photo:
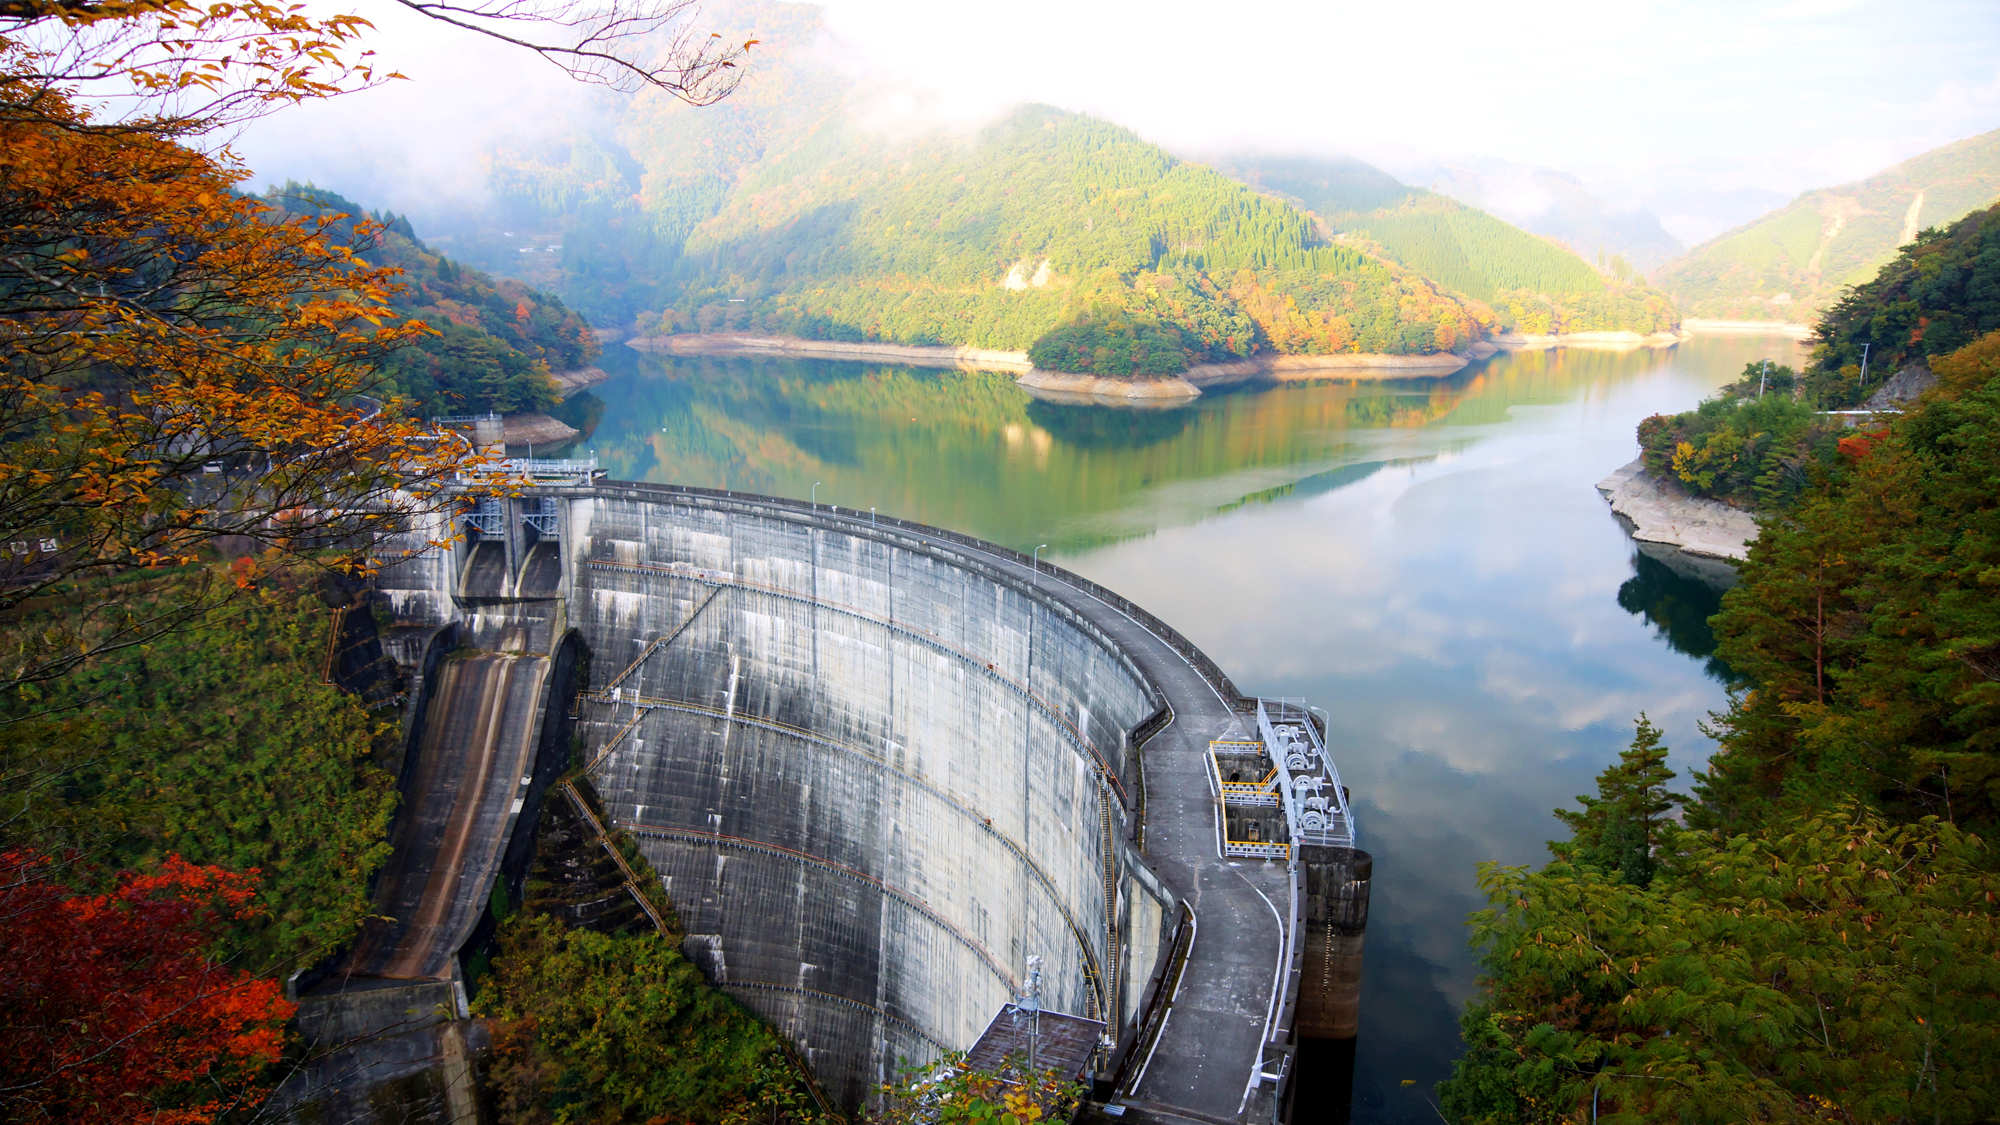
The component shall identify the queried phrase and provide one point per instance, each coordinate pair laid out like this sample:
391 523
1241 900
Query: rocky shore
1659 512
1061 386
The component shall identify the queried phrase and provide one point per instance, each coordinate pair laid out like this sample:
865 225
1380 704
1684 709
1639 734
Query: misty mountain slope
618 195
1793 263
1554 204
497 340
1533 282
786 210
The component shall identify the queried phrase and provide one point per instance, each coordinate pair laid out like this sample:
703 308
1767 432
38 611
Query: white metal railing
540 470
1315 803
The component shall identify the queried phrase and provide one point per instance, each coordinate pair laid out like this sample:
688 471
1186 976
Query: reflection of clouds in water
1458 614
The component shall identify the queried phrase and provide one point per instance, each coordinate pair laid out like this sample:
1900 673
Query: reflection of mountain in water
1109 427
971 451
1678 606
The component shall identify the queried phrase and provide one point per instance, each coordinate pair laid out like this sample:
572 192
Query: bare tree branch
605 43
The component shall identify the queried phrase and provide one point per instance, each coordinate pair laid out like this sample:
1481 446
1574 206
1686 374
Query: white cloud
1708 111
1743 101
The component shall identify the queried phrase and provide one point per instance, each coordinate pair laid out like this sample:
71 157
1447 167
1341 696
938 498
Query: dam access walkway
1205 1061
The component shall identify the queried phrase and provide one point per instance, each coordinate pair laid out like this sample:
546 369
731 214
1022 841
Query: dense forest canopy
1939 293
1762 440
992 243
1537 285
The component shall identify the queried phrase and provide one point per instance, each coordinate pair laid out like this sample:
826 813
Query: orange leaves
1860 445
245 572
185 363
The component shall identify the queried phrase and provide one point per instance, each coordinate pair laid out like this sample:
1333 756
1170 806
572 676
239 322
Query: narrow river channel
1428 560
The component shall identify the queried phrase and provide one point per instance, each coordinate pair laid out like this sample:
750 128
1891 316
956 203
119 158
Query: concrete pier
1336 921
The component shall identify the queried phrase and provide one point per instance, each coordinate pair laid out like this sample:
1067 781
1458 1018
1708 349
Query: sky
1706 112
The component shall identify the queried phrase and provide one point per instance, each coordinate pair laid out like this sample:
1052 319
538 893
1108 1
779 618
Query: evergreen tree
1618 829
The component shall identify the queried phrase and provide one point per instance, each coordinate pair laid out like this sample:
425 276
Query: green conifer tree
1617 829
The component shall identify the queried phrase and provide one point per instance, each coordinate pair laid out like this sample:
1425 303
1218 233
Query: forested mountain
1535 284
497 340
1793 263
777 212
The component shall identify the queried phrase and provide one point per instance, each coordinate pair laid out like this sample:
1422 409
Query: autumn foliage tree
179 366
113 1008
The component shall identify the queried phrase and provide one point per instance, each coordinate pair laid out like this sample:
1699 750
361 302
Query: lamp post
872 522
1035 564
815 496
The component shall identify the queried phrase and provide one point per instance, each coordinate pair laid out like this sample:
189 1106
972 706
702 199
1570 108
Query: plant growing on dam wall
948 1092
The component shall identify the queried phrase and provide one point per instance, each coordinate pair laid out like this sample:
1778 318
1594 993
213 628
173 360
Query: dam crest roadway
877 766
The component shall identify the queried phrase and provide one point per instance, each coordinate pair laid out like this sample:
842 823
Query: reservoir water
1428 560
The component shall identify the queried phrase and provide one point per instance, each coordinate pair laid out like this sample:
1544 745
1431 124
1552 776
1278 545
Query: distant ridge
1534 282
1793 264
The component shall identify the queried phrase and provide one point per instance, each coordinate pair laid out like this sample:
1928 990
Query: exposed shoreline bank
1062 386
1659 512
915 355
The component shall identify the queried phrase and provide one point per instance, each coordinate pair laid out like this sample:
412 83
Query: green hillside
991 241
1938 294
778 212
1534 283
1793 263
1554 204
1439 237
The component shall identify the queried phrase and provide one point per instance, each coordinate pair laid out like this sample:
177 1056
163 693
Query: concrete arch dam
880 765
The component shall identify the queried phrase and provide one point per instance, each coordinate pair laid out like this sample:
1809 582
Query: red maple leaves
112 1007
1863 443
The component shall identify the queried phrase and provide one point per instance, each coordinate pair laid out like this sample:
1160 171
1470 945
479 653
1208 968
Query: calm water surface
1427 559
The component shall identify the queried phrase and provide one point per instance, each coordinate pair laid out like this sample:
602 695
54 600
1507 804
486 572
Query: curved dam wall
876 772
